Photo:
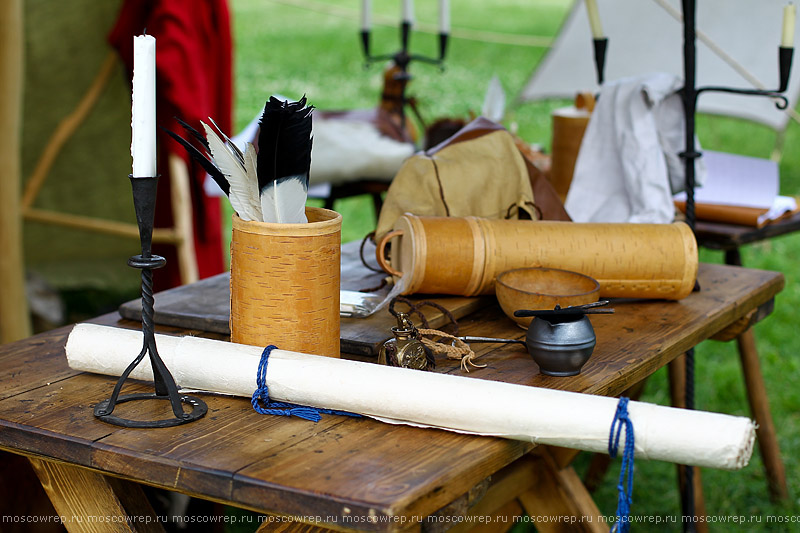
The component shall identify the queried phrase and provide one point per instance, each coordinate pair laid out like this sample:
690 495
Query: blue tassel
625 497
269 407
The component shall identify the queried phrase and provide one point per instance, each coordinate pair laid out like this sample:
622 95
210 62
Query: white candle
789 13
408 11
594 19
444 16
365 14
143 122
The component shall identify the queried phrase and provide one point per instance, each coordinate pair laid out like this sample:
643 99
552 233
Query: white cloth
347 150
628 167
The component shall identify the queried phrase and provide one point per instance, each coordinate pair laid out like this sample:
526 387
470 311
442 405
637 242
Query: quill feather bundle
268 185
284 160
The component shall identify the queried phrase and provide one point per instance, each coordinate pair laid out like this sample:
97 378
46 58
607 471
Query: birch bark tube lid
532 414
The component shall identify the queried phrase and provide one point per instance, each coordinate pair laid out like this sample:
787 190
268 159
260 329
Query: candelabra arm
781 101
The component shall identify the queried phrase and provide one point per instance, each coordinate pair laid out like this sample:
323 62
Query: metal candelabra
403 58
690 93
144 200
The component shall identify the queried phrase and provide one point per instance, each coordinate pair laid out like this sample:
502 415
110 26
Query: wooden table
348 473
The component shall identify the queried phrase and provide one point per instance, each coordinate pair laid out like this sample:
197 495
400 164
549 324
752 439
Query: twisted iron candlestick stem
144 197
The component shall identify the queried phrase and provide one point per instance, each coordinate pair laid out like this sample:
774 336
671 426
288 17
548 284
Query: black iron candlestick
144 200
403 58
690 155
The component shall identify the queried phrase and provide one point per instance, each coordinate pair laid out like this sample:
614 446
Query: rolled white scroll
454 403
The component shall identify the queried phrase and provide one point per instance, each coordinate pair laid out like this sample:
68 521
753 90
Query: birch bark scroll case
285 283
398 395
464 255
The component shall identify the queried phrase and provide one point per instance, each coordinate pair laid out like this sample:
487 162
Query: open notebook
739 190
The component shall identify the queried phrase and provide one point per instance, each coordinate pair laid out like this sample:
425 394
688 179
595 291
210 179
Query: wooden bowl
542 288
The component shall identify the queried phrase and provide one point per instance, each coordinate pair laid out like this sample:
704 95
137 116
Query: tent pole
14 318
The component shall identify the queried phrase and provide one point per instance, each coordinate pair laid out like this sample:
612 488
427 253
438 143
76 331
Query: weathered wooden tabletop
353 473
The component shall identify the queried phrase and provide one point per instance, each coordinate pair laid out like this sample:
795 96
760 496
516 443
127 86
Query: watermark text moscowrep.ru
355 519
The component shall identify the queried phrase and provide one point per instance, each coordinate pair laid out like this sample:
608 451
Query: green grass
294 51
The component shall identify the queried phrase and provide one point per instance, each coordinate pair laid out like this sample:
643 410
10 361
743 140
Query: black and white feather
269 184
284 160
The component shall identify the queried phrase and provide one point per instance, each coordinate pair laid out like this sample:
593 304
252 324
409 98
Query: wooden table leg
759 407
90 502
759 404
677 390
560 502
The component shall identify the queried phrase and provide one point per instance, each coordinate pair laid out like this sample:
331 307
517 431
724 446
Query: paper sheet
444 401
737 180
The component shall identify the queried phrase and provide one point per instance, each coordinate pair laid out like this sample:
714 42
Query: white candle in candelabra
143 122
365 14
594 19
789 14
444 16
408 11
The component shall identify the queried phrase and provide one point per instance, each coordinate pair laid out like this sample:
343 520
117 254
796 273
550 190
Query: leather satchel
480 171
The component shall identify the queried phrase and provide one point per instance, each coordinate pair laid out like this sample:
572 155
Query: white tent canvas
737 46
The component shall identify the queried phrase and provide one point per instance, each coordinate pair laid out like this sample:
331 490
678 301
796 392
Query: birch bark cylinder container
464 255
285 283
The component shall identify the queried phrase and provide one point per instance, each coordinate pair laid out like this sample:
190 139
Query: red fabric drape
193 82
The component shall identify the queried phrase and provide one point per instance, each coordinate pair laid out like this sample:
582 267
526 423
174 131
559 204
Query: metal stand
403 58
689 155
144 200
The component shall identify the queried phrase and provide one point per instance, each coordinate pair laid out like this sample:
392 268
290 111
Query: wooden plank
201 458
88 503
551 509
500 520
23 366
361 469
506 485
14 320
205 306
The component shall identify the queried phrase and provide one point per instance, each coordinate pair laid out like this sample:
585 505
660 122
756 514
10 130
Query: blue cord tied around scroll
269 407
621 418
